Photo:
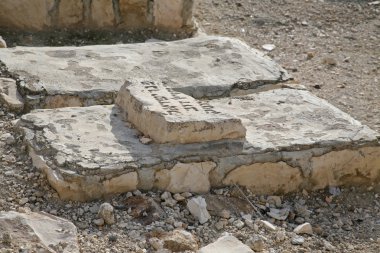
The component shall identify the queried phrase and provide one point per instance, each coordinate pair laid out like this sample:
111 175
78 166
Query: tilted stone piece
168 116
37 230
9 96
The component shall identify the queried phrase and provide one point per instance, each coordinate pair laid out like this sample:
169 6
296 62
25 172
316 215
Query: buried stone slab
294 141
176 117
92 75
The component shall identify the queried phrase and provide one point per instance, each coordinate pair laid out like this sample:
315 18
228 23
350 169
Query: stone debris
297 240
8 138
267 225
38 230
179 241
256 243
279 214
177 118
3 44
198 208
304 228
106 212
226 244
9 96
268 47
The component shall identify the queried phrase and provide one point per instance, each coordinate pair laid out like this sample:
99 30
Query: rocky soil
331 47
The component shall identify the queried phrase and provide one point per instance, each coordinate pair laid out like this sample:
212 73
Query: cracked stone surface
176 117
294 140
206 66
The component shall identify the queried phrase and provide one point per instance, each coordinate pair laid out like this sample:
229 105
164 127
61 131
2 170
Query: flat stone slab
206 66
294 141
37 232
166 115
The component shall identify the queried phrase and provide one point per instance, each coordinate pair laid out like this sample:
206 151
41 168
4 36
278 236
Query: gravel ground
331 47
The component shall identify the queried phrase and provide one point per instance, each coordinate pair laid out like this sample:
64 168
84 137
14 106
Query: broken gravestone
166 115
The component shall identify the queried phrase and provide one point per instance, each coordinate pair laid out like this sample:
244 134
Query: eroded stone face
200 67
294 141
168 15
169 116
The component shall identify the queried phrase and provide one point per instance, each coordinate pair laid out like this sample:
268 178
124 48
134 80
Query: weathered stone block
168 14
294 141
25 14
102 14
94 74
169 116
134 13
70 13
263 178
185 177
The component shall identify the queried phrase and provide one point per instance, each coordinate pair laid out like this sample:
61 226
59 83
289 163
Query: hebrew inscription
166 115
175 103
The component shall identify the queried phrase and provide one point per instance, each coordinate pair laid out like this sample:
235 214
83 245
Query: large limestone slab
169 116
37 232
294 141
81 76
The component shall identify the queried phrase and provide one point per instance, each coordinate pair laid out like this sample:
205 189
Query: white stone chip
198 208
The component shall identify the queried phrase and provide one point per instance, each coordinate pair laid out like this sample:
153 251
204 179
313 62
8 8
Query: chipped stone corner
84 188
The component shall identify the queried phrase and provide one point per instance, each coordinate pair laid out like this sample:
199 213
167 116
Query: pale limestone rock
304 228
102 14
266 178
176 117
256 243
188 66
163 19
226 244
267 225
135 13
189 177
198 208
3 44
25 14
39 230
70 13
179 241
106 212
9 96
282 125
124 183
323 175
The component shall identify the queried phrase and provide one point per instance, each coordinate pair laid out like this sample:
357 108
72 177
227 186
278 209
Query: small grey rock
298 240
256 243
106 212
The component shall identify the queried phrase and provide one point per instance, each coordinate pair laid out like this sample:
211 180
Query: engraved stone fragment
168 116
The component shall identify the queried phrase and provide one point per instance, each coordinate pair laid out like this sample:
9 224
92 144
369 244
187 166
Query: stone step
294 141
206 66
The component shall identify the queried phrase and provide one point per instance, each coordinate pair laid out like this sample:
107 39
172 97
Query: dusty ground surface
332 47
